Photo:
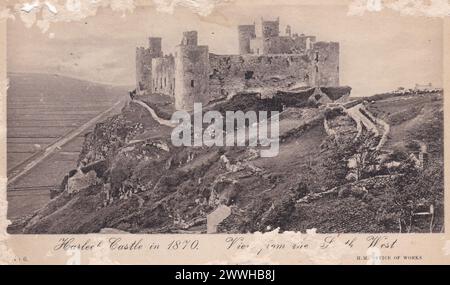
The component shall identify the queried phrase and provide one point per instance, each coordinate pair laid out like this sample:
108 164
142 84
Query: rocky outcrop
130 178
216 217
81 181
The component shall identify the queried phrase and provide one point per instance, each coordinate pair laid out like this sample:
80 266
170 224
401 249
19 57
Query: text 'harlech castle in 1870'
269 60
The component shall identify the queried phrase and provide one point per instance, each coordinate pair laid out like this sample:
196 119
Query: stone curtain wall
194 75
144 58
325 57
235 73
266 64
143 69
163 75
288 45
246 34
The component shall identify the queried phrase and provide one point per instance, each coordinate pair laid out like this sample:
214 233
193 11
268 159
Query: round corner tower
190 38
154 46
191 72
270 29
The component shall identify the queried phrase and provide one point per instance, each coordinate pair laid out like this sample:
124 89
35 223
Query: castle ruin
265 61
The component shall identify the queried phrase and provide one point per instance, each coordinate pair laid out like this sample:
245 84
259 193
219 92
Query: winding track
361 119
152 112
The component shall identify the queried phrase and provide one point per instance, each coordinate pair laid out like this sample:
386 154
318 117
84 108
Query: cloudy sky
379 51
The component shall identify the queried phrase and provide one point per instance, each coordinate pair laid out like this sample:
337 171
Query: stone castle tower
325 67
270 29
246 33
144 58
191 72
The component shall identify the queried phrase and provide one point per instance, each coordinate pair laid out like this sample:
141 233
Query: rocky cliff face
131 178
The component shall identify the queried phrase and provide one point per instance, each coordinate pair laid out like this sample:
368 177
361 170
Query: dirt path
362 119
152 112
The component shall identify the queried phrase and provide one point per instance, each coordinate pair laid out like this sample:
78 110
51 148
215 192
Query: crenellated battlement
265 61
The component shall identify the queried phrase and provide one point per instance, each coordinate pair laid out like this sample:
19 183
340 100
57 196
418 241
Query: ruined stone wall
143 69
281 45
302 43
270 29
154 46
144 58
190 38
268 63
191 76
246 33
275 45
326 63
309 41
163 75
256 46
237 73
285 45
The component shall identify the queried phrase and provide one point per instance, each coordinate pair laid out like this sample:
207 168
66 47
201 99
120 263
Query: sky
378 51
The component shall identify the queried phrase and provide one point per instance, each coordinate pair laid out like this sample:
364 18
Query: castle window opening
165 83
248 74
192 83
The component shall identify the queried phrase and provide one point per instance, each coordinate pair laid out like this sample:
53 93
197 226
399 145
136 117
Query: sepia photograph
299 118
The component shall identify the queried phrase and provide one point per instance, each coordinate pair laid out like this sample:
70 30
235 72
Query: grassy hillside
151 186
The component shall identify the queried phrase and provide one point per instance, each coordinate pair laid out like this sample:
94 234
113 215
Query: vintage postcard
224 132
